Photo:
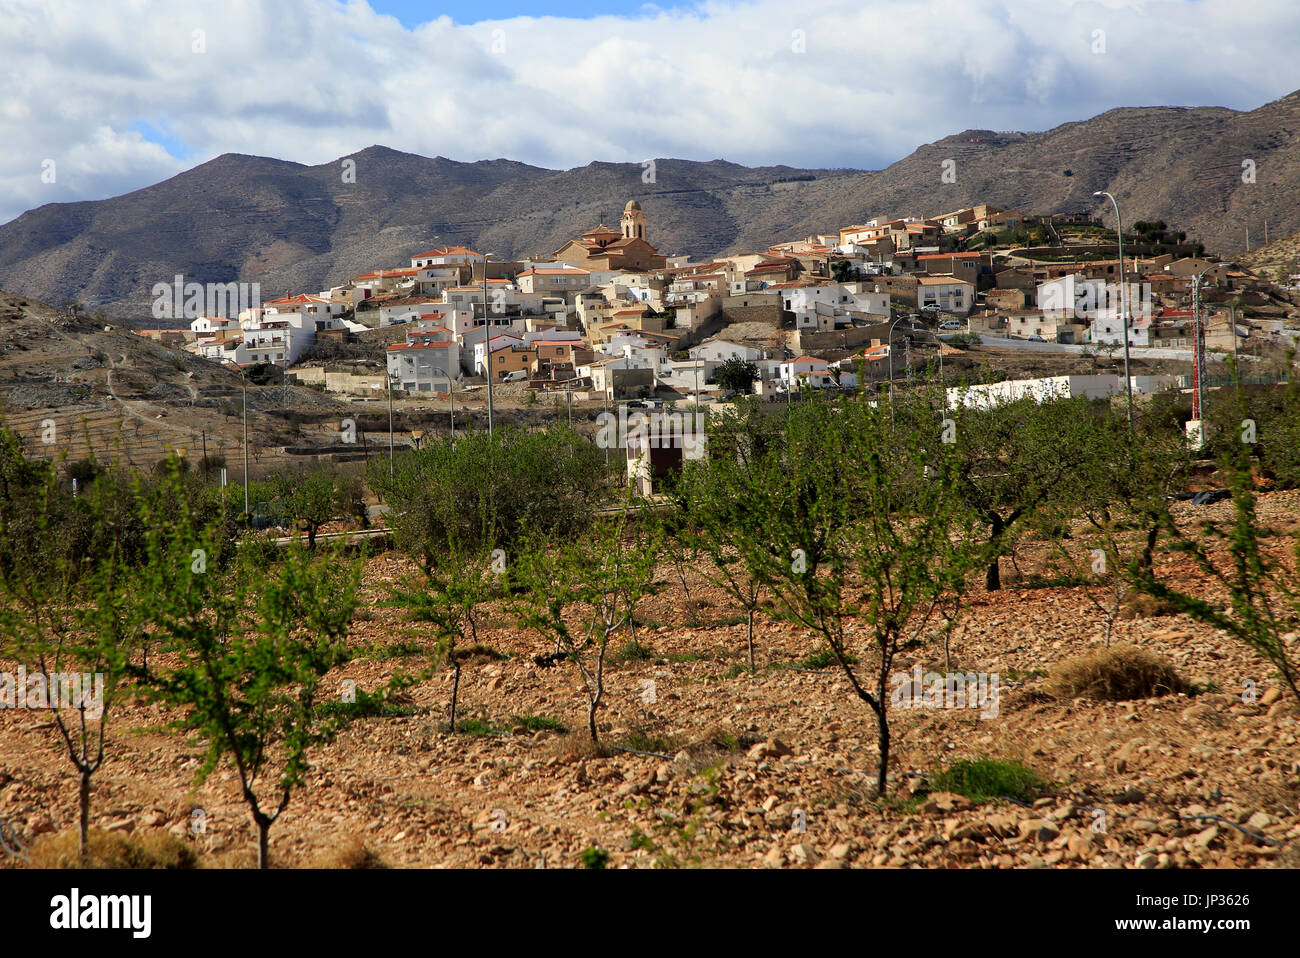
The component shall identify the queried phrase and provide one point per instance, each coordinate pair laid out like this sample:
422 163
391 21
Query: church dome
631 205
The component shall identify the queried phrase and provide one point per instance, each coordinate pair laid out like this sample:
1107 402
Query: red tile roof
447 251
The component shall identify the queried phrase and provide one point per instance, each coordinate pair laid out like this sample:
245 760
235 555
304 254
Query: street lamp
889 346
1123 301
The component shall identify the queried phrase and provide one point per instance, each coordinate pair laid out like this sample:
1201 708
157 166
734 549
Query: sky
101 97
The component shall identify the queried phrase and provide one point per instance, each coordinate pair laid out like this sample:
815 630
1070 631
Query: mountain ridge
299 227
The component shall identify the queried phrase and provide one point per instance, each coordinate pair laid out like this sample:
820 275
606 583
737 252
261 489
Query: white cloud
311 80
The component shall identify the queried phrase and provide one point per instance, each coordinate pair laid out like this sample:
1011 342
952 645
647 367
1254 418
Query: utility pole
1232 321
1198 356
389 376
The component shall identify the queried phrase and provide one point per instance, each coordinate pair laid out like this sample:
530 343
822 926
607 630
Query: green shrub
985 779
593 856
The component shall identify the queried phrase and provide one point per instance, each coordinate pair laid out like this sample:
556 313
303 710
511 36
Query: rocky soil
732 769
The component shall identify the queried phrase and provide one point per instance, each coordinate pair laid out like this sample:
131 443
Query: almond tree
247 649
1263 608
67 603
455 586
1015 458
596 579
874 536
1108 510
718 502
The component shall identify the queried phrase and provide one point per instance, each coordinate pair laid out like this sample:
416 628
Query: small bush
593 856
630 651
352 854
476 727
642 741
367 705
1117 674
539 723
985 779
480 654
824 659
114 850
1138 605
575 747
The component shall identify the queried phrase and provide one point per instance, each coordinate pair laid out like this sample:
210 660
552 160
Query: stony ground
773 768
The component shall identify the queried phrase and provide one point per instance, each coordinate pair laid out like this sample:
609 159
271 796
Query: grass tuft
1116 674
114 850
985 779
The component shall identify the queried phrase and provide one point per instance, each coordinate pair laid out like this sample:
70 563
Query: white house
212 324
804 300
947 292
446 256
802 366
423 366
718 351
503 299
409 310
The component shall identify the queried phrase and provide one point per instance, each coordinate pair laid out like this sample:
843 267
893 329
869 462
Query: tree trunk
993 578
84 847
591 717
881 775
263 833
455 688
600 691
751 638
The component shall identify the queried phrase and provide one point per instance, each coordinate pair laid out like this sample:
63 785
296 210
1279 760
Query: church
607 249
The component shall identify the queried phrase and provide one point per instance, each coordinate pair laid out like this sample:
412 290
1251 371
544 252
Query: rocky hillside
289 226
1281 254
114 394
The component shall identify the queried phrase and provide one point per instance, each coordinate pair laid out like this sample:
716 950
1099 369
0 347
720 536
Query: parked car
951 324
932 308
1037 339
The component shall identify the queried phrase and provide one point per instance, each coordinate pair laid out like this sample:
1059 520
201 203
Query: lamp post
1123 301
487 328
889 347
